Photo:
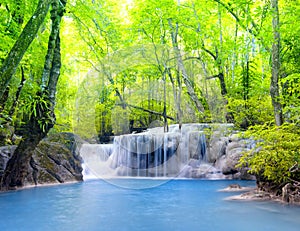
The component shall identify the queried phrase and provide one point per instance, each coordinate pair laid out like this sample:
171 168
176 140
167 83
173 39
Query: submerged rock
236 188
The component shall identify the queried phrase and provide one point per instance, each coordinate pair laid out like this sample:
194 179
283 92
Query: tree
255 30
160 24
40 118
274 86
28 34
182 69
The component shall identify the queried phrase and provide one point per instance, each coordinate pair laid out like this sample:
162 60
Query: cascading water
95 157
149 154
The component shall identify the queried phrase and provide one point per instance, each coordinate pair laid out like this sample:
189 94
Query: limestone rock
55 160
217 147
186 172
5 154
227 163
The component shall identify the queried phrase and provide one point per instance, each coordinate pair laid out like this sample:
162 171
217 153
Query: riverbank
255 194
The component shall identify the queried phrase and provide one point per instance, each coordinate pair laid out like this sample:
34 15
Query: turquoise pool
170 205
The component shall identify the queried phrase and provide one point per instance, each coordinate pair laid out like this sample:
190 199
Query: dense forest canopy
214 56
139 63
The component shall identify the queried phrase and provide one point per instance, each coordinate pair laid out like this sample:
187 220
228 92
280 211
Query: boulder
186 172
5 154
227 163
55 160
217 147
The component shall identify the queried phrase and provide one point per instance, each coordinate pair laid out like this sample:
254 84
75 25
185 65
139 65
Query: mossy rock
56 160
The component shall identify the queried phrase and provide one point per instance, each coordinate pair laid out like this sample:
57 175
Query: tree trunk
52 43
3 100
18 93
274 87
176 95
166 127
43 120
16 54
181 67
217 58
17 166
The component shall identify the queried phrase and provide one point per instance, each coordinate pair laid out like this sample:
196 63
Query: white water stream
153 153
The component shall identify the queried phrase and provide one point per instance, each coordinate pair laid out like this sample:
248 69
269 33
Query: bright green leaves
37 109
277 156
291 97
255 110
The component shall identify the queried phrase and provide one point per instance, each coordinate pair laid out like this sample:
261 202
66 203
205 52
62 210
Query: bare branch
147 110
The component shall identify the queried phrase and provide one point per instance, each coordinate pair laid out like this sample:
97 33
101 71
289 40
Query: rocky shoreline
255 194
57 160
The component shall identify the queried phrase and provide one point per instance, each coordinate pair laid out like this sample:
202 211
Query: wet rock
228 162
55 160
207 171
217 147
5 154
186 172
236 188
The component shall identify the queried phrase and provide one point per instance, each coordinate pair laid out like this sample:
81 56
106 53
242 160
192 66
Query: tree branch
147 110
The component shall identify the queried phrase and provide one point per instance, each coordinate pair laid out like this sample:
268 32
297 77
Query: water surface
175 205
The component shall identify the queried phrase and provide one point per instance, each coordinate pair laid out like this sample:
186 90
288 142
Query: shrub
276 157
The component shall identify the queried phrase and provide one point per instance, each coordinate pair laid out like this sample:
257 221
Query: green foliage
276 157
103 120
6 134
13 17
94 30
37 109
255 111
120 120
291 97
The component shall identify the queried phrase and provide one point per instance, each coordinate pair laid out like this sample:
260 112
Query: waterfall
149 154
95 157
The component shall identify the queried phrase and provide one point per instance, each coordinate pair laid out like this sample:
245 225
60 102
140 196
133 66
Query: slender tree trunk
18 93
41 122
229 116
274 87
181 67
16 54
179 99
54 74
218 60
176 95
3 100
166 127
51 44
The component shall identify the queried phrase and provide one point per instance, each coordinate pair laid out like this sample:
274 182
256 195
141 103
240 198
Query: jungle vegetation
106 67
